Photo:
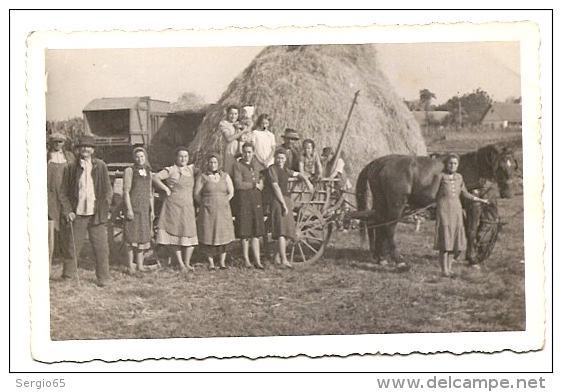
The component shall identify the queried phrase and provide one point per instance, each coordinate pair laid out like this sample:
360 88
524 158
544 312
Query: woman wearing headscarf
139 209
213 192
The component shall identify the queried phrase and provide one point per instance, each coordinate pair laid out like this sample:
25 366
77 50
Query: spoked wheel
313 234
115 235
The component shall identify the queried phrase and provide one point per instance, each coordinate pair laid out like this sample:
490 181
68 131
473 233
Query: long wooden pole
340 144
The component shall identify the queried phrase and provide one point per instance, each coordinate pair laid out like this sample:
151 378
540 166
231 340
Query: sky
77 76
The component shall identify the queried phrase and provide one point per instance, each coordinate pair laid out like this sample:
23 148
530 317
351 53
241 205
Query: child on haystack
264 142
245 124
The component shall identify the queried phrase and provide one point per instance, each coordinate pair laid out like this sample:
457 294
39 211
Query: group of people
199 205
238 128
79 199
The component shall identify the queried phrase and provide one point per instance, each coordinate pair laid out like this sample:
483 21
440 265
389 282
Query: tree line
467 109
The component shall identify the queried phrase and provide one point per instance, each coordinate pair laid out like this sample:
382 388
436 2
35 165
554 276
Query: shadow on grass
360 259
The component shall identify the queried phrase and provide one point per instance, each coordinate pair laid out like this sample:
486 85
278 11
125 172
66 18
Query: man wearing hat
290 138
57 159
86 195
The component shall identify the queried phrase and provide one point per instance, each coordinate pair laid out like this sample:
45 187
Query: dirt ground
343 293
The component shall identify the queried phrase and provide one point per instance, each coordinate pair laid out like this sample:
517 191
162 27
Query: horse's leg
372 238
395 210
380 245
392 250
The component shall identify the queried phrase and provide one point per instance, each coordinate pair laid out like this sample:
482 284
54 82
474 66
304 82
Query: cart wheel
115 235
312 236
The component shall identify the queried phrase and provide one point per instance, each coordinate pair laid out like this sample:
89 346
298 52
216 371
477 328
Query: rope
414 212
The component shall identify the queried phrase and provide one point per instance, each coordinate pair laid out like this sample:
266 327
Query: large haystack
310 88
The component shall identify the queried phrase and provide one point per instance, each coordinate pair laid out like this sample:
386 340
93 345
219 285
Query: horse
400 181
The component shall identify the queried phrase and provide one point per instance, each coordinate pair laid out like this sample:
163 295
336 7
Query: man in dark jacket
85 197
290 140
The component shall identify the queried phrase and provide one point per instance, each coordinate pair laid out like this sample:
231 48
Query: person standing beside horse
281 208
176 224
139 209
86 195
57 159
450 238
248 204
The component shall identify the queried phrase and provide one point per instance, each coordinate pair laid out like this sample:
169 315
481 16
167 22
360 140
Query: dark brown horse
400 181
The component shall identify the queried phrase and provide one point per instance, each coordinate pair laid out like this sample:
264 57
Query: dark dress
281 225
214 222
449 230
138 231
248 200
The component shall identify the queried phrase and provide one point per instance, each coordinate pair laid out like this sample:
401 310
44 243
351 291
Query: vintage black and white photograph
366 188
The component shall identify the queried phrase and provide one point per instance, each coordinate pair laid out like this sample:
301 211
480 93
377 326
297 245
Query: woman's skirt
282 226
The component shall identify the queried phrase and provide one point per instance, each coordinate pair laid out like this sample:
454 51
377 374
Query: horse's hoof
402 267
383 263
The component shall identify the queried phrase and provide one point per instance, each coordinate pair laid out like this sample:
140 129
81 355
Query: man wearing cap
57 159
86 195
290 138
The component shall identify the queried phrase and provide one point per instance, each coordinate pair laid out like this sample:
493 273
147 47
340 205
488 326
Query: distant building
435 117
502 116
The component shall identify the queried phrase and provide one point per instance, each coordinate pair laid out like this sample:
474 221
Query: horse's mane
488 158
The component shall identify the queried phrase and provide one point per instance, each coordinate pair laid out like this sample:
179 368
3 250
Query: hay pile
311 88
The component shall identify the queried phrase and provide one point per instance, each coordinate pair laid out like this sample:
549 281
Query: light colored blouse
227 129
264 146
311 165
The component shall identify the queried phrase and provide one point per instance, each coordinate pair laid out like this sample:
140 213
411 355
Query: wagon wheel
313 234
487 241
115 235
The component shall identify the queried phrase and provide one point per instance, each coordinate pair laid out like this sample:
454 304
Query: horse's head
501 167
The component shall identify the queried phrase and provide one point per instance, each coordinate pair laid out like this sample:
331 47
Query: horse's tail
361 195
369 175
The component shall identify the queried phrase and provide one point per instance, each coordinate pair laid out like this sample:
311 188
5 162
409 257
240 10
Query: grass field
343 293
